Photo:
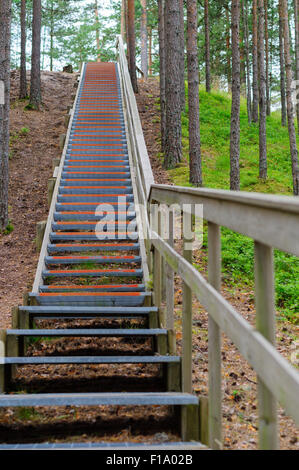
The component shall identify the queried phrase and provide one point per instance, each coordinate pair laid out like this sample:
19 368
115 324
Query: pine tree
195 175
173 138
290 107
262 92
5 21
23 79
235 111
144 39
35 85
161 5
207 46
255 90
131 43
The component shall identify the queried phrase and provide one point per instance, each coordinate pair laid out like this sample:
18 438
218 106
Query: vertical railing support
265 323
214 273
187 308
169 275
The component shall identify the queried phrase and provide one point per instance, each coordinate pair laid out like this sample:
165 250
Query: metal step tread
167 446
88 332
34 360
99 399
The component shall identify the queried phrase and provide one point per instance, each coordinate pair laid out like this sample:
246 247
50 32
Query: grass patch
238 250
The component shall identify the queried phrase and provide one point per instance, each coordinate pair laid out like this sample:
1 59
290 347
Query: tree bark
195 175
150 50
51 34
143 36
282 72
207 46
235 111
132 44
296 14
35 86
246 40
123 21
96 13
5 21
161 27
23 78
268 105
255 90
173 138
182 57
228 49
262 92
290 107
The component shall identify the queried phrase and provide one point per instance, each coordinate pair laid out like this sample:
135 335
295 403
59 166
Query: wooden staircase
93 273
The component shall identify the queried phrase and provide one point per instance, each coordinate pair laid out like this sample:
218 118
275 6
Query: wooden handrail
271 221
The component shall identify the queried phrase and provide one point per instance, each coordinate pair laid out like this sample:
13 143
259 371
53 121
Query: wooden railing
272 222
142 174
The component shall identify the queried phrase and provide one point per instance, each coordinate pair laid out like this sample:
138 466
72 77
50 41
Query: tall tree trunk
182 57
268 106
23 79
195 175
35 86
262 92
207 46
143 36
296 13
173 138
5 21
228 50
123 20
282 72
162 52
235 112
96 13
255 89
51 34
132 44
290 107
127 31
246 40
150 50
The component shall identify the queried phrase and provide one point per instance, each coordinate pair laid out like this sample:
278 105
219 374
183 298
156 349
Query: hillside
237 250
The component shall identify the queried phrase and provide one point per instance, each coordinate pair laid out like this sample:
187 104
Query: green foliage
8 229
238 250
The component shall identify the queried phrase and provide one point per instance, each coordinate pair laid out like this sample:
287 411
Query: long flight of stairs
93 271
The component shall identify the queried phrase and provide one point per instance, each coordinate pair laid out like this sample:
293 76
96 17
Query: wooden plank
214 334
169 275
187 309
265 323
277 373
258 216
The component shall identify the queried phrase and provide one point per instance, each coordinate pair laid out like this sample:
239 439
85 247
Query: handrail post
265 323
187 309
157 268
214 338
169 275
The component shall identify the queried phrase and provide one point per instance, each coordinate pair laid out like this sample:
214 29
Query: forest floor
239 382
34 145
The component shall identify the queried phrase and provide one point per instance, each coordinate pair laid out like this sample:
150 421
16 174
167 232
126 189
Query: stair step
92 273
93 206
99 399
95 189
57 360
77 247
101 299
93 215
70 312
98 198
115 446
50 260
95 236
88 332
93 288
